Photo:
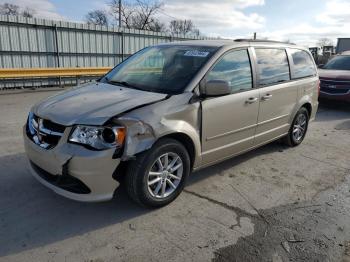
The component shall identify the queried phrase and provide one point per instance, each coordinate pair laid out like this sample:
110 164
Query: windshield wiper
123 83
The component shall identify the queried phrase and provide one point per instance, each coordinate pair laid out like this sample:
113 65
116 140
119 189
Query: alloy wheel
165 175
299 127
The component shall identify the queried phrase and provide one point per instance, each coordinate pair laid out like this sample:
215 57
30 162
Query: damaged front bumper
73 171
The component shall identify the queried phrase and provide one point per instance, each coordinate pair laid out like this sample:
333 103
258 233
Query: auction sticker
196 53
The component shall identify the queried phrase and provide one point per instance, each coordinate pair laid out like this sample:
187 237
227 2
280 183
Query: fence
39 43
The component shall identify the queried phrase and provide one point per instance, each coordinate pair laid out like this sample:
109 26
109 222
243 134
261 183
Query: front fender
173 116
173 128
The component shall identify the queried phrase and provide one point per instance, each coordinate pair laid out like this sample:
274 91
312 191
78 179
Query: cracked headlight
98 137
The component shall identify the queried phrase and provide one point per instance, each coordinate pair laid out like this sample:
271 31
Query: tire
146 169
301 119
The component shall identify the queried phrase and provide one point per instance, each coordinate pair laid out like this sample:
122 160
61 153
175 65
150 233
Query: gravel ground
272 204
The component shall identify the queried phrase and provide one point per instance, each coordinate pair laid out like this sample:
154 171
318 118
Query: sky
300 21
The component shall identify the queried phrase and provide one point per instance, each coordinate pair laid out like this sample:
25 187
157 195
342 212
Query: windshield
338 63
163 69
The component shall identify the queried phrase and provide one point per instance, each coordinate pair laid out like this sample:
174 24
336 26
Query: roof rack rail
261 41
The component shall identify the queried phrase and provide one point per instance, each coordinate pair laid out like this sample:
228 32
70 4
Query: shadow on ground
327 108
49 217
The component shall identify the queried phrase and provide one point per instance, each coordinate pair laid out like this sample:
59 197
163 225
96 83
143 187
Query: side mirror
320 66
216 88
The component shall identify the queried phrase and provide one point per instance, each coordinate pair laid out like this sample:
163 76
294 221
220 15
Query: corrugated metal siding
343 45
29 43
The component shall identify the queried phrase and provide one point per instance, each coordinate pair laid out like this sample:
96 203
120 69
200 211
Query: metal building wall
39 43
343 45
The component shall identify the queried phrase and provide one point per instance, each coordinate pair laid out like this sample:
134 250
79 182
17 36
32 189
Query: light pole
120 11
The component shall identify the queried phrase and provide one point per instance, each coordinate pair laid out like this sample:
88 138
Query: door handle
251 100
266 97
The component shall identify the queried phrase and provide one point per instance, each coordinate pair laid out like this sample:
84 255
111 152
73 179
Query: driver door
229 122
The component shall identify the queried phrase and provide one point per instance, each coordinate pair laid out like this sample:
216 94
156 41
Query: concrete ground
272 204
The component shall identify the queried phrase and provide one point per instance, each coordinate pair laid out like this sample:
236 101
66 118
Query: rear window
303 64
273 66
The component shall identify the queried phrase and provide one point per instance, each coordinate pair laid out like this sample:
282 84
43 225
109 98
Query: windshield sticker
196 53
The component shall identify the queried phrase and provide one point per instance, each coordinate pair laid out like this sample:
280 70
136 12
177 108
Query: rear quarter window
303 65
272 65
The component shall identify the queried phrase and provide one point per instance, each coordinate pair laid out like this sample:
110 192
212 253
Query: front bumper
337 97
92 169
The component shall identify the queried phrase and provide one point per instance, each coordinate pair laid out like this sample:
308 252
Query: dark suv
335 78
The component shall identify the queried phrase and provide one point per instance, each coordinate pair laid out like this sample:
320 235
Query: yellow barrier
52 72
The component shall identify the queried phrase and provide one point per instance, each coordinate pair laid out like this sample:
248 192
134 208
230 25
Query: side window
303 64
234 67
273 66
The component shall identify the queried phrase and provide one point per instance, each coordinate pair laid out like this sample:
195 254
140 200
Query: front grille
335 82
43 132
338 91
65 181
337 87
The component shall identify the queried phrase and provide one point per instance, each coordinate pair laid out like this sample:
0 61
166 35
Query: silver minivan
166 111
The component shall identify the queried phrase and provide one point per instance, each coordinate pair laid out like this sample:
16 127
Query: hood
334 74
92 104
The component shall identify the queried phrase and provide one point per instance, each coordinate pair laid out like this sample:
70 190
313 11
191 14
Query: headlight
98 137
31 124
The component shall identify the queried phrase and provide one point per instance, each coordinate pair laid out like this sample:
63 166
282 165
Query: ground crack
325 162
240 212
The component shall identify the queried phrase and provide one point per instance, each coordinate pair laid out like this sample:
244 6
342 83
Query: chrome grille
44 133
338 87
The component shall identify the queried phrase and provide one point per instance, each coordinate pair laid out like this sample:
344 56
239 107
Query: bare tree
28 12
325 42
125 11
196 32
138 14
157 26
97 17
9 9
181 27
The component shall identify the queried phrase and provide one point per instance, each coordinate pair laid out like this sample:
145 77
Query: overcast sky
301 21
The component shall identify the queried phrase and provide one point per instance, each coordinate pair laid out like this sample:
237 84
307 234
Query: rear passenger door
229 122
278 95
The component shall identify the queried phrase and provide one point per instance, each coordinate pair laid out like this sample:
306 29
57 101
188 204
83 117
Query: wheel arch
186 141
303 103
308 107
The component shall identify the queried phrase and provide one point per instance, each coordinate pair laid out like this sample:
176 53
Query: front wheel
298 128
158 176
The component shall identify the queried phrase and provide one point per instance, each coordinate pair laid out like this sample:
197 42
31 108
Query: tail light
319 87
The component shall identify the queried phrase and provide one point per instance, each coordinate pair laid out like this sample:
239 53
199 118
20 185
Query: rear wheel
298 128
158 176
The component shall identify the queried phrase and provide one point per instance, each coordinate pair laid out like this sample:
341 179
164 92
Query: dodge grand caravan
166 111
